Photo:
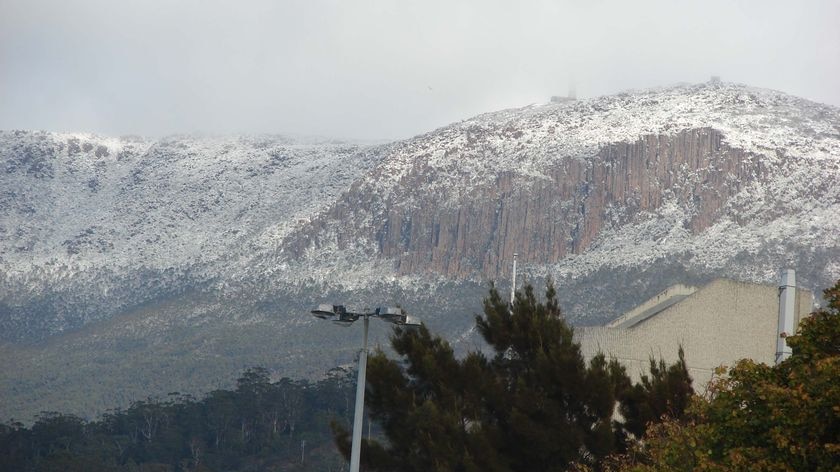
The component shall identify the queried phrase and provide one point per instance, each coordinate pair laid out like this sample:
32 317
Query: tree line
261 425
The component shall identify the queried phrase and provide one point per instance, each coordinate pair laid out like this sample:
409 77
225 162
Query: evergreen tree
536 405
553 408
665 392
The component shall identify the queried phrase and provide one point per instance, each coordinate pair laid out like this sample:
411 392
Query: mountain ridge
304 211
767 131
202 254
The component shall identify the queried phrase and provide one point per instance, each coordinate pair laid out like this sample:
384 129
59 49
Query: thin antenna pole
513 281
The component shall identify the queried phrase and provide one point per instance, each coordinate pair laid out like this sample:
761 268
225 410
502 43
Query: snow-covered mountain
113 245
90 226
717 178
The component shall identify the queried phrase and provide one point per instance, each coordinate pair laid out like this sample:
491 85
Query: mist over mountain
170 264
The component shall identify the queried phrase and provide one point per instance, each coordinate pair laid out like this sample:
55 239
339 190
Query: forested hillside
261 425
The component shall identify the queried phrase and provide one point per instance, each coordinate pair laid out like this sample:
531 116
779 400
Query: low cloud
381 69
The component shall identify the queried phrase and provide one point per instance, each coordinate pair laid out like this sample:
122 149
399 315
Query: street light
338 314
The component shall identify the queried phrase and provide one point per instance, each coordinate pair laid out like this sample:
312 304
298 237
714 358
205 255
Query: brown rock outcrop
544 219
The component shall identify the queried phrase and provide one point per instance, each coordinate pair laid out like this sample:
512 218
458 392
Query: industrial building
717 324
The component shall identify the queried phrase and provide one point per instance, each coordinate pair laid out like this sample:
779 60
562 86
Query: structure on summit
572 95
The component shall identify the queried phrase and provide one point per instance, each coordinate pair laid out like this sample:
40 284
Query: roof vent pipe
787 302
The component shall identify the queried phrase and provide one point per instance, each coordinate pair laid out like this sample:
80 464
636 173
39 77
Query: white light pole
338 314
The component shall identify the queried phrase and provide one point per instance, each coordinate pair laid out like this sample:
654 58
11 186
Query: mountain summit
718 176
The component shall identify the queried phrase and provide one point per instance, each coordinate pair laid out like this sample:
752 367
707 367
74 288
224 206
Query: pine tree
535 405
665 392
554 408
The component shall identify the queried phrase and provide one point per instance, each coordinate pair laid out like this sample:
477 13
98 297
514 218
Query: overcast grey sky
381 69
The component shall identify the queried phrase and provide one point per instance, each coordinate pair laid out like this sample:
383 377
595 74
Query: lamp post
338 314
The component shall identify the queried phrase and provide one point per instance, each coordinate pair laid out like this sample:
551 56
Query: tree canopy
261 425
532 403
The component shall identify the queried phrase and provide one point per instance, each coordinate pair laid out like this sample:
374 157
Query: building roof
655 305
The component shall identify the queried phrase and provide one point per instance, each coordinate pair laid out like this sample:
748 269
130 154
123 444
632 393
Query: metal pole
356 450
513 281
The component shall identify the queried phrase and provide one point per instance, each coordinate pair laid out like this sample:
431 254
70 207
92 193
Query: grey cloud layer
381 70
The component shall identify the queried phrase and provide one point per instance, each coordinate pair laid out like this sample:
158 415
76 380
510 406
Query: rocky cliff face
583 186
547 219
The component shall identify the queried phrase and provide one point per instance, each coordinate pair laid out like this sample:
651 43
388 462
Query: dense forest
261 425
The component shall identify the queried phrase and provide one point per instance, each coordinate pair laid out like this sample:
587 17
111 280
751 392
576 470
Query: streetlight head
345 319
392 314
324 311
398 316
